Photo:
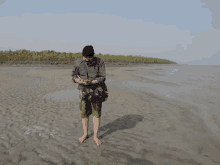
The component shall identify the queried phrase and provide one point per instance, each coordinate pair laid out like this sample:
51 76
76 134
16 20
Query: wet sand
38 130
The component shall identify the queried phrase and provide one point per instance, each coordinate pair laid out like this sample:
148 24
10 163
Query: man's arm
102 74
75 70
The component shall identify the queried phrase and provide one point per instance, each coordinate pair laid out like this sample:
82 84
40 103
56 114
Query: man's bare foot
83 138
97 141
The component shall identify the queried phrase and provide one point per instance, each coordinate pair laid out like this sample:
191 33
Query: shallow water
195 85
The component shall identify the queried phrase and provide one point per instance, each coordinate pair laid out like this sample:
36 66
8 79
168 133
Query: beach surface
40 122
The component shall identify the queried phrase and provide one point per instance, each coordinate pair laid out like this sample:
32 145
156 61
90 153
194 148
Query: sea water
197 85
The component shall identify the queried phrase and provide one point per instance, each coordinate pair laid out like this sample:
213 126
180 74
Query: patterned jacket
94 70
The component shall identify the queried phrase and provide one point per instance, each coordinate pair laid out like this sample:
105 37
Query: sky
184 31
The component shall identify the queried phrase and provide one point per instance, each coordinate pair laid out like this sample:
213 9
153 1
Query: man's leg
96 124
96 111
85 120
85 130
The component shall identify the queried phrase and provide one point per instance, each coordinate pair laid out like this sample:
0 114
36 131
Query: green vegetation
51 57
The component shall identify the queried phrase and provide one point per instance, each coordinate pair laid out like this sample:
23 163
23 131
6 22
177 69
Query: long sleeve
101 77
75 70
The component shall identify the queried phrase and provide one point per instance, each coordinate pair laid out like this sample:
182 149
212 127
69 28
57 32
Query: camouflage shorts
89 107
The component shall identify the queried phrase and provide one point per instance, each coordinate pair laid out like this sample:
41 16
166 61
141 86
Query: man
88 72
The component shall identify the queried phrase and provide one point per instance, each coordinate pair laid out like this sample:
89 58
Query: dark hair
88 51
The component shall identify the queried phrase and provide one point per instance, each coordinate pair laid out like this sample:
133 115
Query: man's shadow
125 122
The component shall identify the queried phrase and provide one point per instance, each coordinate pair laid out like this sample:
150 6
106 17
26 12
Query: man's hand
89 82
85 82
79 80
94 81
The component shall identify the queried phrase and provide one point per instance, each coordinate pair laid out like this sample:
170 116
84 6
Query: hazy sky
185 31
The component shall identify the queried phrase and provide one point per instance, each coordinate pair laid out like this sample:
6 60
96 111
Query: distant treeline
51 57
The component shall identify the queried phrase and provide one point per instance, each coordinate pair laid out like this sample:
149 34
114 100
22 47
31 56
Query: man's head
88 52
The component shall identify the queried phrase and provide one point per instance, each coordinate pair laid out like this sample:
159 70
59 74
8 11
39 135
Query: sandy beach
40 123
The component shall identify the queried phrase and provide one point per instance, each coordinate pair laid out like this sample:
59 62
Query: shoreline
70 65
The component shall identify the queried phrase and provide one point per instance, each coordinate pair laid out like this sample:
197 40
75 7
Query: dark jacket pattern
93 70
